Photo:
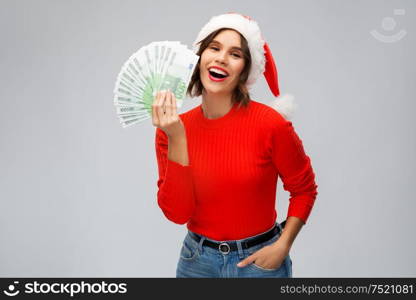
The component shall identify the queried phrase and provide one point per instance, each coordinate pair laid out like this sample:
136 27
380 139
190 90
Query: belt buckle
224 245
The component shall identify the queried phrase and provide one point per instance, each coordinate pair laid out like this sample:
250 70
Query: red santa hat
262 61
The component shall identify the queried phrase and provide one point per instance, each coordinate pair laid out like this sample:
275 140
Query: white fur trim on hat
285 105
251 32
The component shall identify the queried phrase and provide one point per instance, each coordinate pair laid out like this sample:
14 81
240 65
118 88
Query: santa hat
262 61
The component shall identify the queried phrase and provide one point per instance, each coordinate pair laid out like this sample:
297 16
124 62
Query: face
221 63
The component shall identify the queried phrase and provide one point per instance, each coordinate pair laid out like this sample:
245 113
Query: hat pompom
285 105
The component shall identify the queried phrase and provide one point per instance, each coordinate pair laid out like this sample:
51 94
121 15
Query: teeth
215 70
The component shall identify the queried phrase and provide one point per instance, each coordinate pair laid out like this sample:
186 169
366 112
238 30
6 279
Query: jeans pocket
264 269
254 249
189 251
282 266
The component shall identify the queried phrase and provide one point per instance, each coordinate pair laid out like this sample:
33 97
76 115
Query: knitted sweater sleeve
294 168
175 196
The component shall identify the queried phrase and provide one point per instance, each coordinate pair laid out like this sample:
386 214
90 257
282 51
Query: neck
215 105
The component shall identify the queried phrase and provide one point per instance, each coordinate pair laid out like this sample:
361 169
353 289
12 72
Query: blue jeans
203 261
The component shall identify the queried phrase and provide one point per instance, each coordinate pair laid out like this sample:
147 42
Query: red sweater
228 190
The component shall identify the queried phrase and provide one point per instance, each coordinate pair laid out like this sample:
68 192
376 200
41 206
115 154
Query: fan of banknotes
165 65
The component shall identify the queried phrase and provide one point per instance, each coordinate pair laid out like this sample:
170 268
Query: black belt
225 247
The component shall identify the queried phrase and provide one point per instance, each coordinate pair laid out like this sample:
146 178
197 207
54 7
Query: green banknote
157 66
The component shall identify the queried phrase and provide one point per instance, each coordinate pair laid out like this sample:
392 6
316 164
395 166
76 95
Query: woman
219 162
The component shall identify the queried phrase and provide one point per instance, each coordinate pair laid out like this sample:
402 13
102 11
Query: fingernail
239 265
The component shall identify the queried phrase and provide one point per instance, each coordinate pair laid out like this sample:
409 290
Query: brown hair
240 94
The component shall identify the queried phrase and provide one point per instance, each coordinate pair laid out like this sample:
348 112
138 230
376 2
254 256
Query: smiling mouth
217 75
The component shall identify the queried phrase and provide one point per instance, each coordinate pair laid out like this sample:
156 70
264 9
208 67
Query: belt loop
201 241
240 249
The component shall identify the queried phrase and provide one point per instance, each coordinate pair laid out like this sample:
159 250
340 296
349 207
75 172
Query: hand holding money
165 116
155 67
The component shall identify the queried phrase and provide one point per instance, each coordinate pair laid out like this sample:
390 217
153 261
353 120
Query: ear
285 105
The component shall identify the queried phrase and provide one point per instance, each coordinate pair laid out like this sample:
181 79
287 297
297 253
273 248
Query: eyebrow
234 48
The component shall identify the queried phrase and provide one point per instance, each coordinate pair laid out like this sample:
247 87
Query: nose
221 57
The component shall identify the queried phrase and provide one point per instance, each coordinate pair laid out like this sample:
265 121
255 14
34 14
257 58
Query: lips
217 74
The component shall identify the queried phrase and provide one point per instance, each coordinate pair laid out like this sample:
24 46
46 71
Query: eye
236 55
214 48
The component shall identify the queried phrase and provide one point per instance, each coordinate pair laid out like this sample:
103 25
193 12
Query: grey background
78 192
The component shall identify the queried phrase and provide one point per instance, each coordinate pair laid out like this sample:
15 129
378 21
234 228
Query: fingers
248 260
174 113
163 107
168 104
160 104
155 116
